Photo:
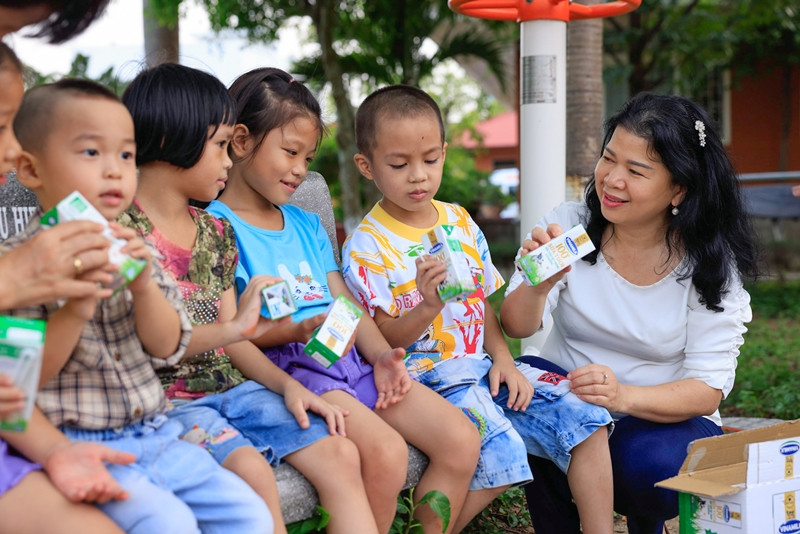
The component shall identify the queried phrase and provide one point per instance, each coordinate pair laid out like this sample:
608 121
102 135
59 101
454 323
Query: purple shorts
350 373
13 468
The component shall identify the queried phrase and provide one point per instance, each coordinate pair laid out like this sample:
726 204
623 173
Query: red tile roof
499 131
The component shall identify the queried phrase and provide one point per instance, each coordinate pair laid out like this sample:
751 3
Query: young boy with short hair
400 137
98 382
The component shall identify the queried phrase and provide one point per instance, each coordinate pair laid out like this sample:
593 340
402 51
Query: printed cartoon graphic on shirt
304 287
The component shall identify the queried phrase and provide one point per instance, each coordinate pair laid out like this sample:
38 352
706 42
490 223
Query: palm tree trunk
584 100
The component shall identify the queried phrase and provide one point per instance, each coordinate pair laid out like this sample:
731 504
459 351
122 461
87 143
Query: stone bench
299 498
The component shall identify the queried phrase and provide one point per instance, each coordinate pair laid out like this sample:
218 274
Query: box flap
712 482
731 448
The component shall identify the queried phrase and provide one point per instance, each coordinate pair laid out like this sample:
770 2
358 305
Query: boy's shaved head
401 101
38 109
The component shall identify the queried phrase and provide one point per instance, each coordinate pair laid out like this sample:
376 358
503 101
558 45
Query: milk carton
328 342
442 244
76 207
543 262
21 343
278 301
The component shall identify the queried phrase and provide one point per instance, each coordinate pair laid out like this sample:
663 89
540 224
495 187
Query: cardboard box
743 482
21 344
278 301
543 262
442 245
328 342
75 207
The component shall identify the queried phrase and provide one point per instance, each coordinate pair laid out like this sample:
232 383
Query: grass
767 385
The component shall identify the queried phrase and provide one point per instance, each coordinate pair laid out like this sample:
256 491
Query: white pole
543 120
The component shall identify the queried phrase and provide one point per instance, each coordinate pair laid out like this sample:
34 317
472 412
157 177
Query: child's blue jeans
175 487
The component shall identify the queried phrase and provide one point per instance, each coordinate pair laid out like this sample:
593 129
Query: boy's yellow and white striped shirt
378 264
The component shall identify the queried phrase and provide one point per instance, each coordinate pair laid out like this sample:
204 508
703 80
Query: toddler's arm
157 321
64 328
77 469
234 323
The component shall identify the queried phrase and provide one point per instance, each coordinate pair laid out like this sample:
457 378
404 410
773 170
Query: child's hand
78 471
248 321
391 378
520 390
299 400
430 273
135 248
12 399
306 327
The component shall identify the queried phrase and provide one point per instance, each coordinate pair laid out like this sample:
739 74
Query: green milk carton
21 343
328 342
442 243
76 207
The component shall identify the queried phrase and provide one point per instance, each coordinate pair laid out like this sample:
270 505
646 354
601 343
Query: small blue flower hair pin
701 131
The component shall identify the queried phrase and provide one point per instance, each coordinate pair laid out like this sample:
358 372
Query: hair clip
701 132
291 79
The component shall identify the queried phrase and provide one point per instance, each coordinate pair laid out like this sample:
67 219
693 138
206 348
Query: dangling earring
675 210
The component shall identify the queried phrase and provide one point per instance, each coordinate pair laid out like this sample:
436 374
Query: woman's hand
598 385
67 260
540 236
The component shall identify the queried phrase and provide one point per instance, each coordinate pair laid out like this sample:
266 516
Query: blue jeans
246 415
175 486
554 423
642 453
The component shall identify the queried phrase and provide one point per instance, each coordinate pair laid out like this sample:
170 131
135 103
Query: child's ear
444 151
27 173
363 166
241 142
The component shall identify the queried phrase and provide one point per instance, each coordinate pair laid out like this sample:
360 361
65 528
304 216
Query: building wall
756 114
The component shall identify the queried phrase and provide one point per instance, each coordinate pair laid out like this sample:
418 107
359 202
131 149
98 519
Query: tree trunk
161 38
584 100
324 18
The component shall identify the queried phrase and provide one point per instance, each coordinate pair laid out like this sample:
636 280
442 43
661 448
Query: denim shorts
246 415
350 373
175 486
555 421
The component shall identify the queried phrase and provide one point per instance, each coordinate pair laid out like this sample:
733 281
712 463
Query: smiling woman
650 324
